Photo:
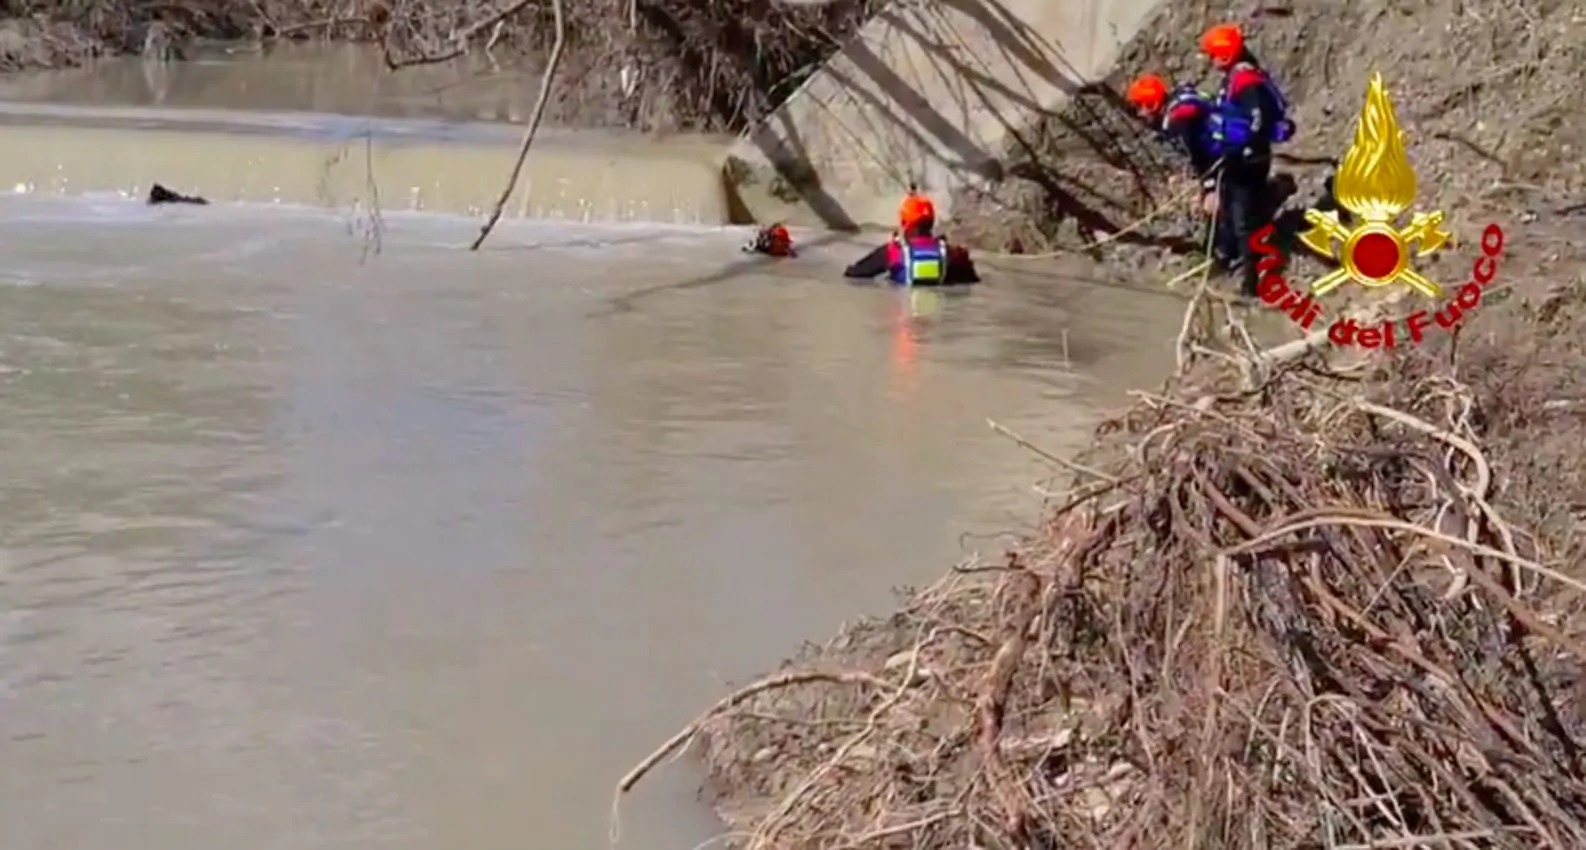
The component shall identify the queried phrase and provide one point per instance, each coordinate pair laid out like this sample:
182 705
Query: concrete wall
926 93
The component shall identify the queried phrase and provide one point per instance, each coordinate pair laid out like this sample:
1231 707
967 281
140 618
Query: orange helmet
1224 42
1148 92
914 209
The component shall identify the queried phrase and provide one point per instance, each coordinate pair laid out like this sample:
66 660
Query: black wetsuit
1243 205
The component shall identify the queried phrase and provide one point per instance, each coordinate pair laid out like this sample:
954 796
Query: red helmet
776 241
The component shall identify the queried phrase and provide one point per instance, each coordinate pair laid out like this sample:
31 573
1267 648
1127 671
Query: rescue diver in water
915 255
773 240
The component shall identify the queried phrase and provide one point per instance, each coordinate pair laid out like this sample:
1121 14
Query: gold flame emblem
1376 182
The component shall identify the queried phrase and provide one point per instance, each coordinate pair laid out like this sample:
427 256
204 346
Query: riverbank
1244 594
1488 100
1330 600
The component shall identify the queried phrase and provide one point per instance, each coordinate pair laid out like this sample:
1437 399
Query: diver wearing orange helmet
916 255
1249 116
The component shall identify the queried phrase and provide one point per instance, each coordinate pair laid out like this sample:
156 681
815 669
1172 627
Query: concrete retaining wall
927 92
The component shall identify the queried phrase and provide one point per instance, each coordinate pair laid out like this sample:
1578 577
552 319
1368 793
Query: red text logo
1306 311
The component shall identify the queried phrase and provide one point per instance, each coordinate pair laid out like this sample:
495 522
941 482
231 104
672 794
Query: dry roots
1287 617
648 64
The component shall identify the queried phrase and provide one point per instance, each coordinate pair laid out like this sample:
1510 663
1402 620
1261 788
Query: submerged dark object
161 195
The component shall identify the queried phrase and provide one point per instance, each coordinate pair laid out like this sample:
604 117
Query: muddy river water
317 531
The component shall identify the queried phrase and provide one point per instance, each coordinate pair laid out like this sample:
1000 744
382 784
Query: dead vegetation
1301 602
644 64
656 64
1337 607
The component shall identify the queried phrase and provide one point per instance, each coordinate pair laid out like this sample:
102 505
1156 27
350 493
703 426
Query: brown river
318 531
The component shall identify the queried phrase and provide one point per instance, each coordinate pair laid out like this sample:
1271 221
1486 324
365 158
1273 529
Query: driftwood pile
1294 613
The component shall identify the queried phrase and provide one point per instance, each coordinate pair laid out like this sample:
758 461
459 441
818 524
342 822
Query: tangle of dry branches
1294 614
644 64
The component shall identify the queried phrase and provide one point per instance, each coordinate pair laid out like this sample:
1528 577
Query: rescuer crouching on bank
1182 117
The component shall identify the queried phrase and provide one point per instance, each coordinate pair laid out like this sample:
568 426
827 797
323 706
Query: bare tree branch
461 38
534 125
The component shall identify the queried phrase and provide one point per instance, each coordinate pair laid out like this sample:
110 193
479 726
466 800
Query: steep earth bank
1487 92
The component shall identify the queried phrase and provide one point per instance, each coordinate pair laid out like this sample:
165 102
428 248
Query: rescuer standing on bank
1250 116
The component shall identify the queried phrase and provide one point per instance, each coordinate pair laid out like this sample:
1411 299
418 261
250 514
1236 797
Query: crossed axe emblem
1376 237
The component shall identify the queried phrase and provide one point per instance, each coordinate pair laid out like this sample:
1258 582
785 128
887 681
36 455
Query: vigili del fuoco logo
1376 185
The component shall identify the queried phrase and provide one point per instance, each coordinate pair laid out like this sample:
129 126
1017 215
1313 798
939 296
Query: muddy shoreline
1021 700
